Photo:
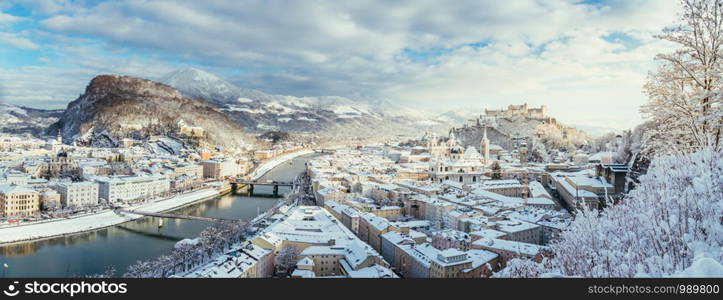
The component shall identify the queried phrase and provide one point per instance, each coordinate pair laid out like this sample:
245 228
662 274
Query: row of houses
24 201
320 246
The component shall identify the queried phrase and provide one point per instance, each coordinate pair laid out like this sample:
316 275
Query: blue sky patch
624 39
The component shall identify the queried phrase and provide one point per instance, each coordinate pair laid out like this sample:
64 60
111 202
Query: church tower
485 147
452 140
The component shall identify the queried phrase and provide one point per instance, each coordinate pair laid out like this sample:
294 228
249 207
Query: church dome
471 153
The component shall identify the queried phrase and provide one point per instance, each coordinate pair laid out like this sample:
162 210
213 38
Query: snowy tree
556 136
522 268
602 143
685 92
496 170
141 269
671 219
212 241
108 272
286 259
538 151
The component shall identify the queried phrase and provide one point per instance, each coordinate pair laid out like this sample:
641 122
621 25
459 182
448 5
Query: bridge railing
174 216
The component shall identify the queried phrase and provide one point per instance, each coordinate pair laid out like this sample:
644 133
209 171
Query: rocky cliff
115 107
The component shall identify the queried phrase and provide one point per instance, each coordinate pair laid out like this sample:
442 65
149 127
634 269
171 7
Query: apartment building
126 188
220 169
18 201
77 194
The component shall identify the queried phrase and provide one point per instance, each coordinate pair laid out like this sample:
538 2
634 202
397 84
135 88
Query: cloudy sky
587 60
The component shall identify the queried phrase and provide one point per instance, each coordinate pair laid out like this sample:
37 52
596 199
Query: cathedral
453 162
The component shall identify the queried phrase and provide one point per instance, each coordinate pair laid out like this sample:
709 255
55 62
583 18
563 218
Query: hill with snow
332 115
21 120
508 132
116 107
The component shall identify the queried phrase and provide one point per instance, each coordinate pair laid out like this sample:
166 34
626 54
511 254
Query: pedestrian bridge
173 216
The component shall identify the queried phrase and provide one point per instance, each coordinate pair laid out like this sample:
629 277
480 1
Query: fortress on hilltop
512 112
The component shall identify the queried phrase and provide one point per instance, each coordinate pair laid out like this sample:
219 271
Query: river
122 245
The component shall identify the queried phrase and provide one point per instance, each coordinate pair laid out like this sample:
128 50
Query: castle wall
519 110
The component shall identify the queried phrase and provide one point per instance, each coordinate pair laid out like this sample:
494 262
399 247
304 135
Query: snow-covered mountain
18 119
596 131
115 107
196 83
459 116
258 111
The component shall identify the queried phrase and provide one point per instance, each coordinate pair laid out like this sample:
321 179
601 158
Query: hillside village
426 208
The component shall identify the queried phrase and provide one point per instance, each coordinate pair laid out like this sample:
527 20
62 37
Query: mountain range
259 112
25 120
114 107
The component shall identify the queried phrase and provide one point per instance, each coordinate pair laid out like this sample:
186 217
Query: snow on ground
248 110
270 164
191 242
5 111
96 221
702 267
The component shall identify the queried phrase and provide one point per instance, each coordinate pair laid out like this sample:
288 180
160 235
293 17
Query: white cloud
8 18
61 78
17 41
539 51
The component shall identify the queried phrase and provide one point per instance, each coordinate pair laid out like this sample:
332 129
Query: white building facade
132 187
77 194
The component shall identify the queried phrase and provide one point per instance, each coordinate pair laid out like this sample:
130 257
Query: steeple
485 146
452 141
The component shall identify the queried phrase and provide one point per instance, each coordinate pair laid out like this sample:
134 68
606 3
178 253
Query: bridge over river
174 216
251 183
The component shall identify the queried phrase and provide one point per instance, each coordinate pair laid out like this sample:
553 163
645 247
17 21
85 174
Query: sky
586 60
